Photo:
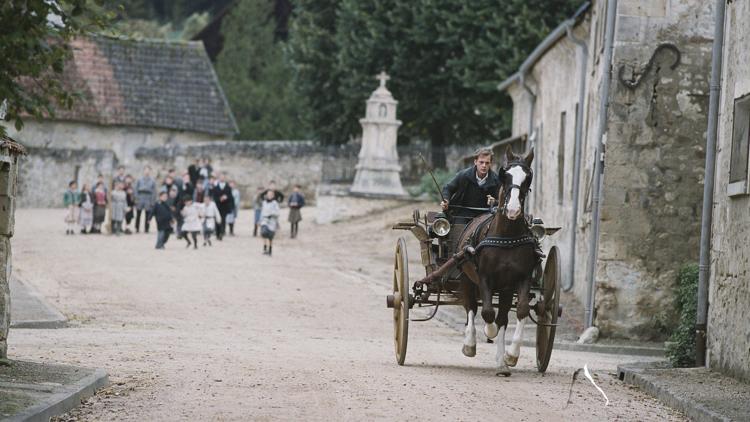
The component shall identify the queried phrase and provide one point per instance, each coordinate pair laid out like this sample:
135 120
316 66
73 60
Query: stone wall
652 191
729 294
651 194
80 153
46 172
8 178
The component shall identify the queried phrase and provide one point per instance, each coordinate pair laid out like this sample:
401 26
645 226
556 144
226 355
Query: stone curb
44 324
55 318
59 403
661 391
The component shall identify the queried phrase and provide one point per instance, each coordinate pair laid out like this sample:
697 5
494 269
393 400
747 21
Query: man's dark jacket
226 206
163 216
464 190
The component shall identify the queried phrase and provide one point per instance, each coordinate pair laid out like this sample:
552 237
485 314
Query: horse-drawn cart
441 258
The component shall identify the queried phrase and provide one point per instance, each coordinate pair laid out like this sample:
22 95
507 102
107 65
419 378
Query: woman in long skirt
86 215
100 207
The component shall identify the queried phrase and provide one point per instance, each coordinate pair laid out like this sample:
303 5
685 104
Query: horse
504 263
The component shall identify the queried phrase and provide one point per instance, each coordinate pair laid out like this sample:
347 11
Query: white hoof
491 330
469 351
510 360
503 370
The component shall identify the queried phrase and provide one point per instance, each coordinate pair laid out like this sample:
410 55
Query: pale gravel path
225 333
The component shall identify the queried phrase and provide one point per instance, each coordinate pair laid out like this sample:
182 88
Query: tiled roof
146 83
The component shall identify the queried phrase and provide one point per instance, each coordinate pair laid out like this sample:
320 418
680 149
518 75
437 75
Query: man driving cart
472 192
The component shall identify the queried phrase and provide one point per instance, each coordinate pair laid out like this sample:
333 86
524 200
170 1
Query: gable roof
160 84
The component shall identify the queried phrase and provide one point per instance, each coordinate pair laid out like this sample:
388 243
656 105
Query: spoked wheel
401 300
545 330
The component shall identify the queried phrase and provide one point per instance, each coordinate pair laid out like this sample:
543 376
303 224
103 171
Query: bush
681 349
427 185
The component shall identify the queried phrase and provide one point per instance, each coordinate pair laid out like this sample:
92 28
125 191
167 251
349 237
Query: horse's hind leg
470 305
522 312
488 310
502 320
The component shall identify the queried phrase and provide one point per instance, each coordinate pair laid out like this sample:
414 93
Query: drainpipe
596 185
568 285
532 136
708 186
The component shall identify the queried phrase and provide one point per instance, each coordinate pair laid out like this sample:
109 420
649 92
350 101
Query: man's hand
490 200
444 204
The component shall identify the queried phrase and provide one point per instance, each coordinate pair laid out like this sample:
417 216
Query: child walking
191 221
71 198
269 221
211 217
296 202
163 215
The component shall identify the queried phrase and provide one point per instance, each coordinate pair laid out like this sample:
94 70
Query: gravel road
225 333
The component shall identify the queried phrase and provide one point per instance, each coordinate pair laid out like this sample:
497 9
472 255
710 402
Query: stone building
10 151
728 331
653 144
133 94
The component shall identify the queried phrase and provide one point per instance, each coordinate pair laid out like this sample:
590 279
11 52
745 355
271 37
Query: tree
33 47
313 51
445 58
255 75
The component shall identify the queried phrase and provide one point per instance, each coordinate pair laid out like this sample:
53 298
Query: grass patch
681 346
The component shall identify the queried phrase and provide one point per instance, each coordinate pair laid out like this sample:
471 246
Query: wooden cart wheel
545 335
401 300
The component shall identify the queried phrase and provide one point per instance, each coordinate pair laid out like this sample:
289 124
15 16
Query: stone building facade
729 285
10 152
654 147
133 94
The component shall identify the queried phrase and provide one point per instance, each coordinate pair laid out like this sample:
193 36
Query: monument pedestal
378 167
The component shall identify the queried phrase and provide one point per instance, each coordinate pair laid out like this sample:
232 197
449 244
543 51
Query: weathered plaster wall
122 140
650 221
45 173
729 294
554 79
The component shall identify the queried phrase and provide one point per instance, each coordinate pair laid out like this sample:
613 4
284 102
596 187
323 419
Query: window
561 161
738 168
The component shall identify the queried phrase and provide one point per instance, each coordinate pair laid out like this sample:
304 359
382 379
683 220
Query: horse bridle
521 194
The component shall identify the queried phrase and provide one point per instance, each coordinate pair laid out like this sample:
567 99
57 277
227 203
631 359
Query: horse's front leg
470 336
488 310
522 312
470 305
502 320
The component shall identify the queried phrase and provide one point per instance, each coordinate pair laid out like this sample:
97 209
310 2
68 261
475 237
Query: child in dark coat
163 215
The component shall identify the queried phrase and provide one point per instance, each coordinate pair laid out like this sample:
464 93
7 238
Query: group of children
204 206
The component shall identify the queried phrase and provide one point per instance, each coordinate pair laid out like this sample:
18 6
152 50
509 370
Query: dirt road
225 333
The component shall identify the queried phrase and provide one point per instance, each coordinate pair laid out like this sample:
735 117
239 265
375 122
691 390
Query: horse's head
515 183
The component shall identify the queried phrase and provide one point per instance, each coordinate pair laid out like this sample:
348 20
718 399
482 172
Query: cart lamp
441 227
538 231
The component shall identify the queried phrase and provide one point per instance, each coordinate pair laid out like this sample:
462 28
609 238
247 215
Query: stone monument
378 168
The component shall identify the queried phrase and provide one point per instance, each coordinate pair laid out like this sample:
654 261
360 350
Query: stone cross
382 77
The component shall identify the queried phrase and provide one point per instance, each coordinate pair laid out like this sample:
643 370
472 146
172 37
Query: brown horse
505 262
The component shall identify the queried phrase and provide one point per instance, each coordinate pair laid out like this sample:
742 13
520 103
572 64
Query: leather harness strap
505 242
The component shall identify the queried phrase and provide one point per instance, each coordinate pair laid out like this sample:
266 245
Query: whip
429 170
